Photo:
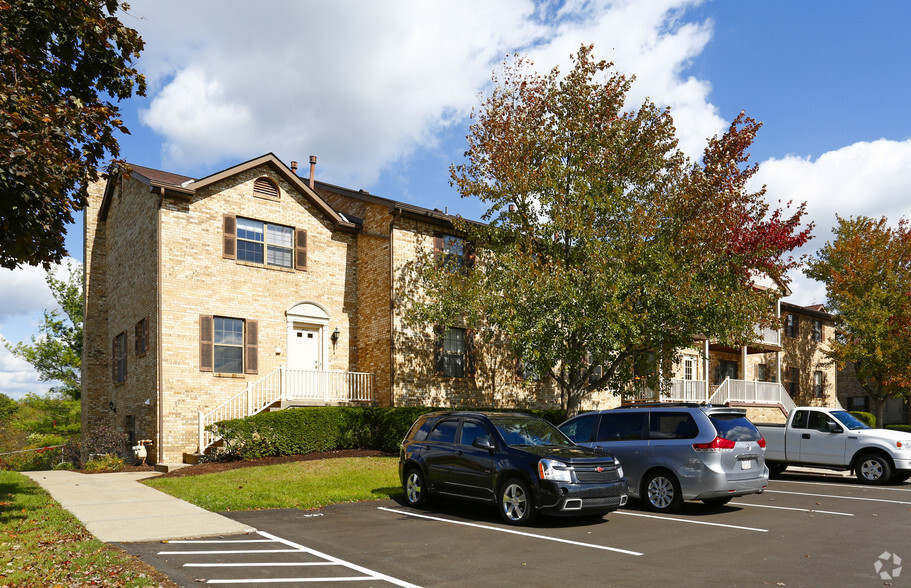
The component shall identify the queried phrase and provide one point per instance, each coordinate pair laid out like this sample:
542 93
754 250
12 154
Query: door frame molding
313 315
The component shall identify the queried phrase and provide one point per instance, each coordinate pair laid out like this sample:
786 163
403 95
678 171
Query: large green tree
603 248
61 64
56 352
867 272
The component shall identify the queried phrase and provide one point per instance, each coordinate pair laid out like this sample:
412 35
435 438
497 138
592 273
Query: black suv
519 462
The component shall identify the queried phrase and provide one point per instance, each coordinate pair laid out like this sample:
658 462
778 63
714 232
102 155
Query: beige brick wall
197 280
121 273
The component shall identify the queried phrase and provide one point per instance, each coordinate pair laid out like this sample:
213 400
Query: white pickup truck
834 439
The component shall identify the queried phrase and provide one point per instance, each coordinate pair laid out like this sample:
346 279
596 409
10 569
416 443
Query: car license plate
746 464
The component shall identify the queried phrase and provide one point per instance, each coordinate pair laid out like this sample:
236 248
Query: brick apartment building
216 297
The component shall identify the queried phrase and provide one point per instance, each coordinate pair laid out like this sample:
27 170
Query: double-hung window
266 243
817 330
229 345
791 325
818 382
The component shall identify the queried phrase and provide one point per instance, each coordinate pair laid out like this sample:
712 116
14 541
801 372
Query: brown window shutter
438 365
229 250
438 247
251 346
206 347
114 360
470 354
145 335
300 249
137 339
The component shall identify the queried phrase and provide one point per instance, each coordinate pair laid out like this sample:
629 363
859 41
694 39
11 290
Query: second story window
452 253
817 330
791 325
259 242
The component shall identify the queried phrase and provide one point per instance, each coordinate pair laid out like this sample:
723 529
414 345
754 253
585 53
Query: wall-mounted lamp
335 335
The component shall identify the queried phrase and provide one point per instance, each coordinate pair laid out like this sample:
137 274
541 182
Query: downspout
160 448
396 213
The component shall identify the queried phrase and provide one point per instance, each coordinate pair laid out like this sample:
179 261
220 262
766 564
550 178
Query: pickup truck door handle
805 436
851 437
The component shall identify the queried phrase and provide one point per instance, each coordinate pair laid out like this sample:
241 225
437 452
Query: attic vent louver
265 187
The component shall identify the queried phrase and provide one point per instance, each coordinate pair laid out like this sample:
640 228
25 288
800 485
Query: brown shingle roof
156 175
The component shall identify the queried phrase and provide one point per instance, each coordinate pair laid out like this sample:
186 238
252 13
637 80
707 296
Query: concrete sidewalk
116 508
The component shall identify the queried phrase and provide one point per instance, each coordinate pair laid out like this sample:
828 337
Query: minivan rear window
735 427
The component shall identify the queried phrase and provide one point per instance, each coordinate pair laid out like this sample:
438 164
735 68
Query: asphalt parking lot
805 530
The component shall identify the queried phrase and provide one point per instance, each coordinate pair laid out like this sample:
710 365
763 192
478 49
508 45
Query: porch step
169 467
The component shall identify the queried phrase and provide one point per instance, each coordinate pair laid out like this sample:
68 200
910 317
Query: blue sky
381 94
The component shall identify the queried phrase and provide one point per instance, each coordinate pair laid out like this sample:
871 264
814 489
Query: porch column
743 362
778 367
705 373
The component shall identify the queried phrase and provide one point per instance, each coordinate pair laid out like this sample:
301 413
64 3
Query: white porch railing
282 385
678 390
752 391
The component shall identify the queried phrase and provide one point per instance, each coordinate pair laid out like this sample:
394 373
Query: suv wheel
515 503
873 469
662 492
415 489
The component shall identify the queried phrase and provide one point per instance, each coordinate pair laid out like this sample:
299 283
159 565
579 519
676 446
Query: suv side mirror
483 443
833 428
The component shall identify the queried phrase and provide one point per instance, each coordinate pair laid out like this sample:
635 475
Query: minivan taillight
716 444
761 442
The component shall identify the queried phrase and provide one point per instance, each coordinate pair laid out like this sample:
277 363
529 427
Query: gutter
396 213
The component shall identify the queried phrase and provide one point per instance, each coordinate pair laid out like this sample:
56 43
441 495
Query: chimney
294 167
312 170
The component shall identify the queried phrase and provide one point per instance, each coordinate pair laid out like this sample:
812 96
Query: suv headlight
556 471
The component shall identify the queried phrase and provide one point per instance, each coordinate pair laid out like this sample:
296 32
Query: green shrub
104 463
31 460
903 428
865 417
309 429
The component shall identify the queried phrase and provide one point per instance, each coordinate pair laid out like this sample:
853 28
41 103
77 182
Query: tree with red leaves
604 248
867 272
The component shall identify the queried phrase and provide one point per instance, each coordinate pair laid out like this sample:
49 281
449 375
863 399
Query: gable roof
166 183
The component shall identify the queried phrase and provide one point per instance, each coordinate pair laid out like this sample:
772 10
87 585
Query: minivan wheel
415 489
515 503
873 469
662 492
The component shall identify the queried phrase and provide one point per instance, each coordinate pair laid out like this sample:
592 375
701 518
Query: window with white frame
265 243
817 330
688 371
228 345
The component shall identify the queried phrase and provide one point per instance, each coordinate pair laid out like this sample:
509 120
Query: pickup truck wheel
662 492
872 468
775 468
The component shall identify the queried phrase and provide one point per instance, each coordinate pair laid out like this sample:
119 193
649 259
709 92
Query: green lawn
41 544
300 484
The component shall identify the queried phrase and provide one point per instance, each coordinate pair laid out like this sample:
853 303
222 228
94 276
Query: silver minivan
676 452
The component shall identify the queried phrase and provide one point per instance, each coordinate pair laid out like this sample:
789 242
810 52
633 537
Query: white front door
304 349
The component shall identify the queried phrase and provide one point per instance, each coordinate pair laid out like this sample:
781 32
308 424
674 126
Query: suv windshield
518 431
735 427
848 420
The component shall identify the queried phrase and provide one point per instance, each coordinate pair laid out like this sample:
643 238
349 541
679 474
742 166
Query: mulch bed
211 467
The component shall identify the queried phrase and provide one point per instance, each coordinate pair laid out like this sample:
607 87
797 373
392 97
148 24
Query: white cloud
17 377
363 85
23 291
866 178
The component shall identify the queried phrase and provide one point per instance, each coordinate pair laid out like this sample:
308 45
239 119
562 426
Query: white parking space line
843 485
368 575
839 497
663 518
844 514
510 531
